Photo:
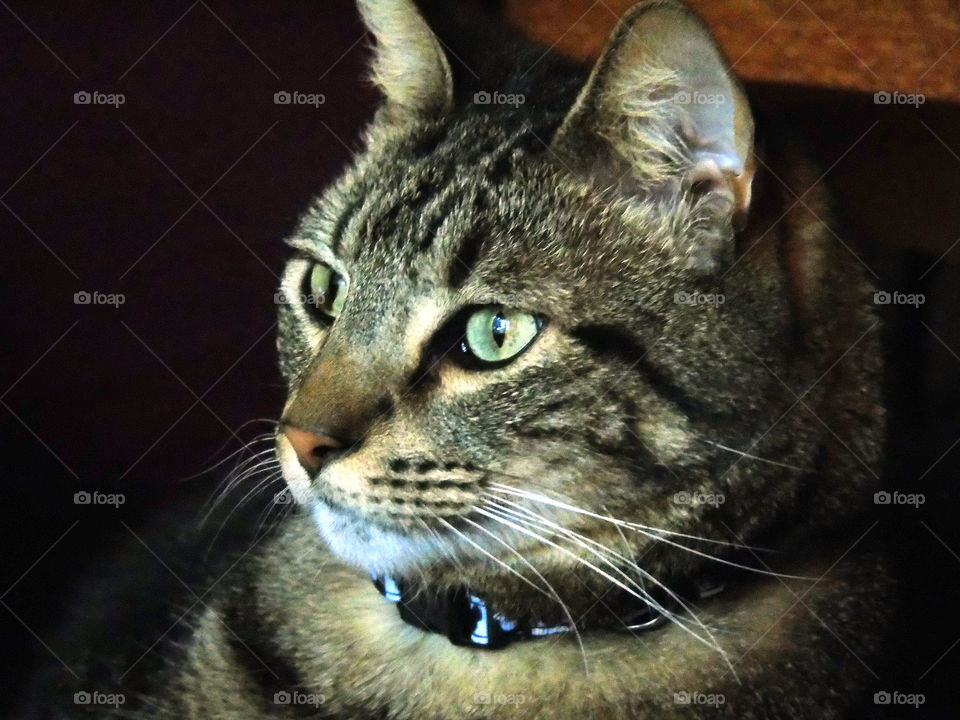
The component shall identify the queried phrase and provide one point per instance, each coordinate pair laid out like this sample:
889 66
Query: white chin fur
363 544
372 549
375 550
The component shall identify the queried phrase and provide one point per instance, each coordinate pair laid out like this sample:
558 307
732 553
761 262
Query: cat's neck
344 643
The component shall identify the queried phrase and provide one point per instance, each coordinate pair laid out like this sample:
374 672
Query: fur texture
709 389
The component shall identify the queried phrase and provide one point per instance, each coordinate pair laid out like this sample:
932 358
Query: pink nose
311 448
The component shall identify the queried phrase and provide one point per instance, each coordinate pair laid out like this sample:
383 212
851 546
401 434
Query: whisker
583 541
253 458
601 572
553 592
258 488
644 597
654 535
490 555
623 537
623 523
267 471
232 478
447 549
272 506
212 505
747 455
263 437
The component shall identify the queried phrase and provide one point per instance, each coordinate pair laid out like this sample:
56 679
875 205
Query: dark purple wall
102 198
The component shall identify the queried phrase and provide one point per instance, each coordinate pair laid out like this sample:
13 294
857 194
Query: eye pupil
326 290
495 336
499 329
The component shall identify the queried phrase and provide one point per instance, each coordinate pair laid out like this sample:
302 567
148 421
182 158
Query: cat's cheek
664 431
294 475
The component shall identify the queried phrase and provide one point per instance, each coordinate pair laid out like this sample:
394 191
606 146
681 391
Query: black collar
467 619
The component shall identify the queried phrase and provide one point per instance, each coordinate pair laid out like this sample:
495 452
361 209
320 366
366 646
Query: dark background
96 198
135 399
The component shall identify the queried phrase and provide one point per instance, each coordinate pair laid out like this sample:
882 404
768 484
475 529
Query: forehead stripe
350 212
464 260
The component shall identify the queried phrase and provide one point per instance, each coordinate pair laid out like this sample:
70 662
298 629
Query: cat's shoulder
139 605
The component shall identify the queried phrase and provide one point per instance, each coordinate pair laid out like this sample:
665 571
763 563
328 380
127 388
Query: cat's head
507 325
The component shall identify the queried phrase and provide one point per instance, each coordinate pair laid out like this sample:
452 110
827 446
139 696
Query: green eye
327 289
496 335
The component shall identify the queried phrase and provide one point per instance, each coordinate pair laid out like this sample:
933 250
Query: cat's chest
345 648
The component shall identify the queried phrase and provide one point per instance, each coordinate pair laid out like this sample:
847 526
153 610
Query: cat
583 411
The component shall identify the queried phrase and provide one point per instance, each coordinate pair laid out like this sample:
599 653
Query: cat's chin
371 547
380 552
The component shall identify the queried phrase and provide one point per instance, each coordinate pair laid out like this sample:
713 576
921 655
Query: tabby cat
583 409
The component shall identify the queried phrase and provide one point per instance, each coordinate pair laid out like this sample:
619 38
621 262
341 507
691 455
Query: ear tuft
409 65
661 112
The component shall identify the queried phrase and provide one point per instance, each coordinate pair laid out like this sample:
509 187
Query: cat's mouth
489 579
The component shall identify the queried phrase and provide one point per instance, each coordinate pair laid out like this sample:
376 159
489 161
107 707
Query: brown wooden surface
894 45
895 169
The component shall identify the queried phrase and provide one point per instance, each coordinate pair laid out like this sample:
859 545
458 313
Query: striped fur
603 208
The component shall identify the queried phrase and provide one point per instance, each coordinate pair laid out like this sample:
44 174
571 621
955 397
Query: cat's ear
408 65
662 111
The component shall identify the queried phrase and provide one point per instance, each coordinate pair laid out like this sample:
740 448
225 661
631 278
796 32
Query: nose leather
311 448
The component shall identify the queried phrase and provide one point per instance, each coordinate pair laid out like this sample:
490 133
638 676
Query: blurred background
148 178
